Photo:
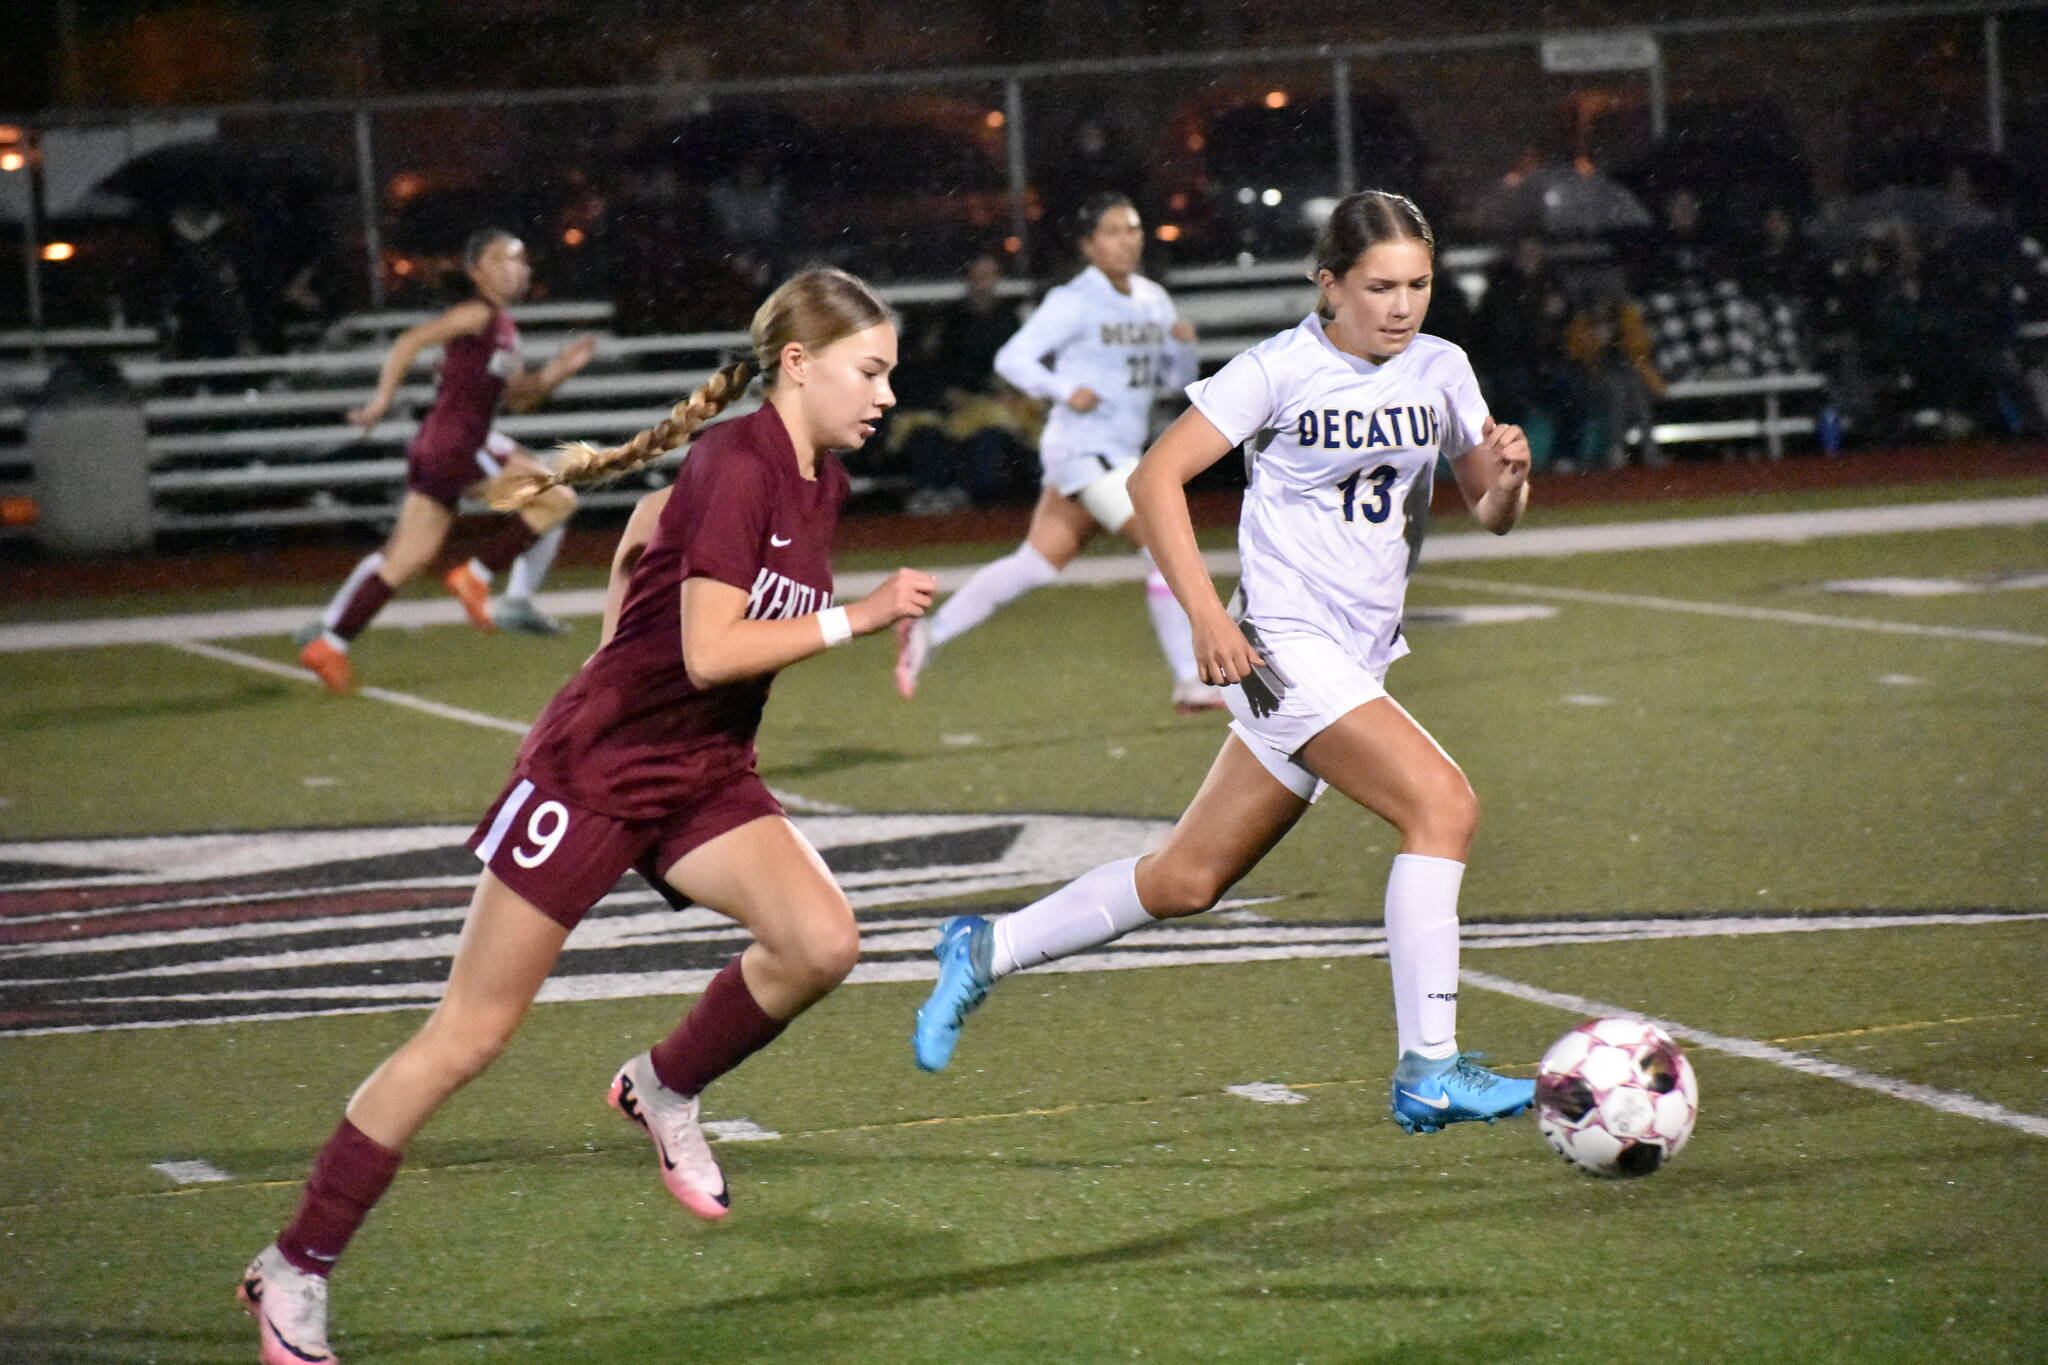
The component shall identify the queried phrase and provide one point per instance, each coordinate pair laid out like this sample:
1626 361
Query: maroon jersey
473 374
631 736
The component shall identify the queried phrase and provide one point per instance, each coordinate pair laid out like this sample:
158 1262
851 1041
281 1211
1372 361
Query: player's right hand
368 415
1221 651
1083 399
907 592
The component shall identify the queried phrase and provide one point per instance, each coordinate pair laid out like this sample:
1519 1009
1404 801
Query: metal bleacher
260 441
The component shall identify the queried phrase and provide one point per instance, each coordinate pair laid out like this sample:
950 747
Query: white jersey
1119 345
1341 456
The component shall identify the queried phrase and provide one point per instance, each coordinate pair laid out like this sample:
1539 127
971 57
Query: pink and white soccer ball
1615 1097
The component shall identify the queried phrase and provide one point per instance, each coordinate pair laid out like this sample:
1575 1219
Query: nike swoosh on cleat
1443 1103
279 1338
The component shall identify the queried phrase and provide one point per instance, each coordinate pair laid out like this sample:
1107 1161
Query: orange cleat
329 665
474 594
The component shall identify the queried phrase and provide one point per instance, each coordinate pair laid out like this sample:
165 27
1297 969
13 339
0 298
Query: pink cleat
687 1166
290 1308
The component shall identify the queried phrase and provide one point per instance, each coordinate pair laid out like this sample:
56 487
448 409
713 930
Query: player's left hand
1183 330
577 354
1508 449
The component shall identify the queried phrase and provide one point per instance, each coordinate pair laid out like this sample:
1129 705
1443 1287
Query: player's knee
821 956
1449 816
1171 887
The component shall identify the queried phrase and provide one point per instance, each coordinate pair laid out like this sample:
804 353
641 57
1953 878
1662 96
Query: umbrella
210 173
1562 202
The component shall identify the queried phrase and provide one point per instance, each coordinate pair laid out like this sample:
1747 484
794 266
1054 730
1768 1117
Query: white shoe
913 647
1193 696
290 1308
687 1166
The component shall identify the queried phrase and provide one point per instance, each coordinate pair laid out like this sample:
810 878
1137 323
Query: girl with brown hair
646 760
452 454
1344 418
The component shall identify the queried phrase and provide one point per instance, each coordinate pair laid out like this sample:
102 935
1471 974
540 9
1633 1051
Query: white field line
1551 542
1946 1101
425 706
1776 614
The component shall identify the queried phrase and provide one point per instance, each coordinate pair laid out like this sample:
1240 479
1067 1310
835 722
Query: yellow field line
935 1121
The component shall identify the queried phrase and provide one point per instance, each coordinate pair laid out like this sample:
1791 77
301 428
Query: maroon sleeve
724 522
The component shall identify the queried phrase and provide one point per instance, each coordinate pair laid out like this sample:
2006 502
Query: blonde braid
581 462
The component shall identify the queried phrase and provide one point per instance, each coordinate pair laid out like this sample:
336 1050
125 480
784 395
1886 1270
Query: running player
454 451
1114 343
646 760
1343 419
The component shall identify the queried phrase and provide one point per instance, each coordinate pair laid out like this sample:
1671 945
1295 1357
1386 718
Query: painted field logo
111 933
219 928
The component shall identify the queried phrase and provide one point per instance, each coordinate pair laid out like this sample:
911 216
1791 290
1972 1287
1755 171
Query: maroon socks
512 539
361 599
726 1027
349 1176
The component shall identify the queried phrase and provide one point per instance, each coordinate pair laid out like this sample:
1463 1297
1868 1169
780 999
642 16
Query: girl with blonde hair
646 760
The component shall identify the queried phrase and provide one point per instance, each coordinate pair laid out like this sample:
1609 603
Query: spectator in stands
206 301
1978 273
1610 347
1701 304
970 437
1518 348
1679 250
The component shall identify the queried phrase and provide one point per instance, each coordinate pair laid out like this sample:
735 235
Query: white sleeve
1058 321
1467 424
1238 398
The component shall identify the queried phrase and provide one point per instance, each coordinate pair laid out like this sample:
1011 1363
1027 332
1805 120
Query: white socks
1170 624
993 586
530 568
1092 910
1422 950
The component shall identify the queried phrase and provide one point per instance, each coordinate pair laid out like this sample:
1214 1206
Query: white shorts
1108 498
1325 680
1071 471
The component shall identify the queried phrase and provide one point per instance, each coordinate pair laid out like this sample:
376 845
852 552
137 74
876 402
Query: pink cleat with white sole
687 1166
290 1308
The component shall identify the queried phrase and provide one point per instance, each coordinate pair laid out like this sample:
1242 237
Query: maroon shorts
444 475
563 858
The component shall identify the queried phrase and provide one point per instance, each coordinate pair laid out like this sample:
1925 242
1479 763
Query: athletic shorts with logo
1325 680
563 858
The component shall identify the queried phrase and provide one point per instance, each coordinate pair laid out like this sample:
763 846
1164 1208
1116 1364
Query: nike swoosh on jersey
778 541
1441 1102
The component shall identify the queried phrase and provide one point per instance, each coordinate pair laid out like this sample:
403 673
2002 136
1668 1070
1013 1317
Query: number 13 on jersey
1377 499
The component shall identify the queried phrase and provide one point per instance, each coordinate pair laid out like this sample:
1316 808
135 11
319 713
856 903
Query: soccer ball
1615 1097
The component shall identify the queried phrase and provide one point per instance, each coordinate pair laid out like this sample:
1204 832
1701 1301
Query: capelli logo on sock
1451 996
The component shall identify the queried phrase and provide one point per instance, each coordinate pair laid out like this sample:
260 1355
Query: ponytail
581 462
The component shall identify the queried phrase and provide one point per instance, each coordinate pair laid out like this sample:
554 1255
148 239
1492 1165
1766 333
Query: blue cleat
964 977
1429 1094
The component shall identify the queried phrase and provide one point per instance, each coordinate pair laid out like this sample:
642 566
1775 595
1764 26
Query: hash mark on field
739 1130
1266 1092
1943 1101
191 1172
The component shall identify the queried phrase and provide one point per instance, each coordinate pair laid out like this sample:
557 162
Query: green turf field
1080 1185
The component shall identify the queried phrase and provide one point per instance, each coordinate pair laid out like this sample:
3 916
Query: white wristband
834 625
